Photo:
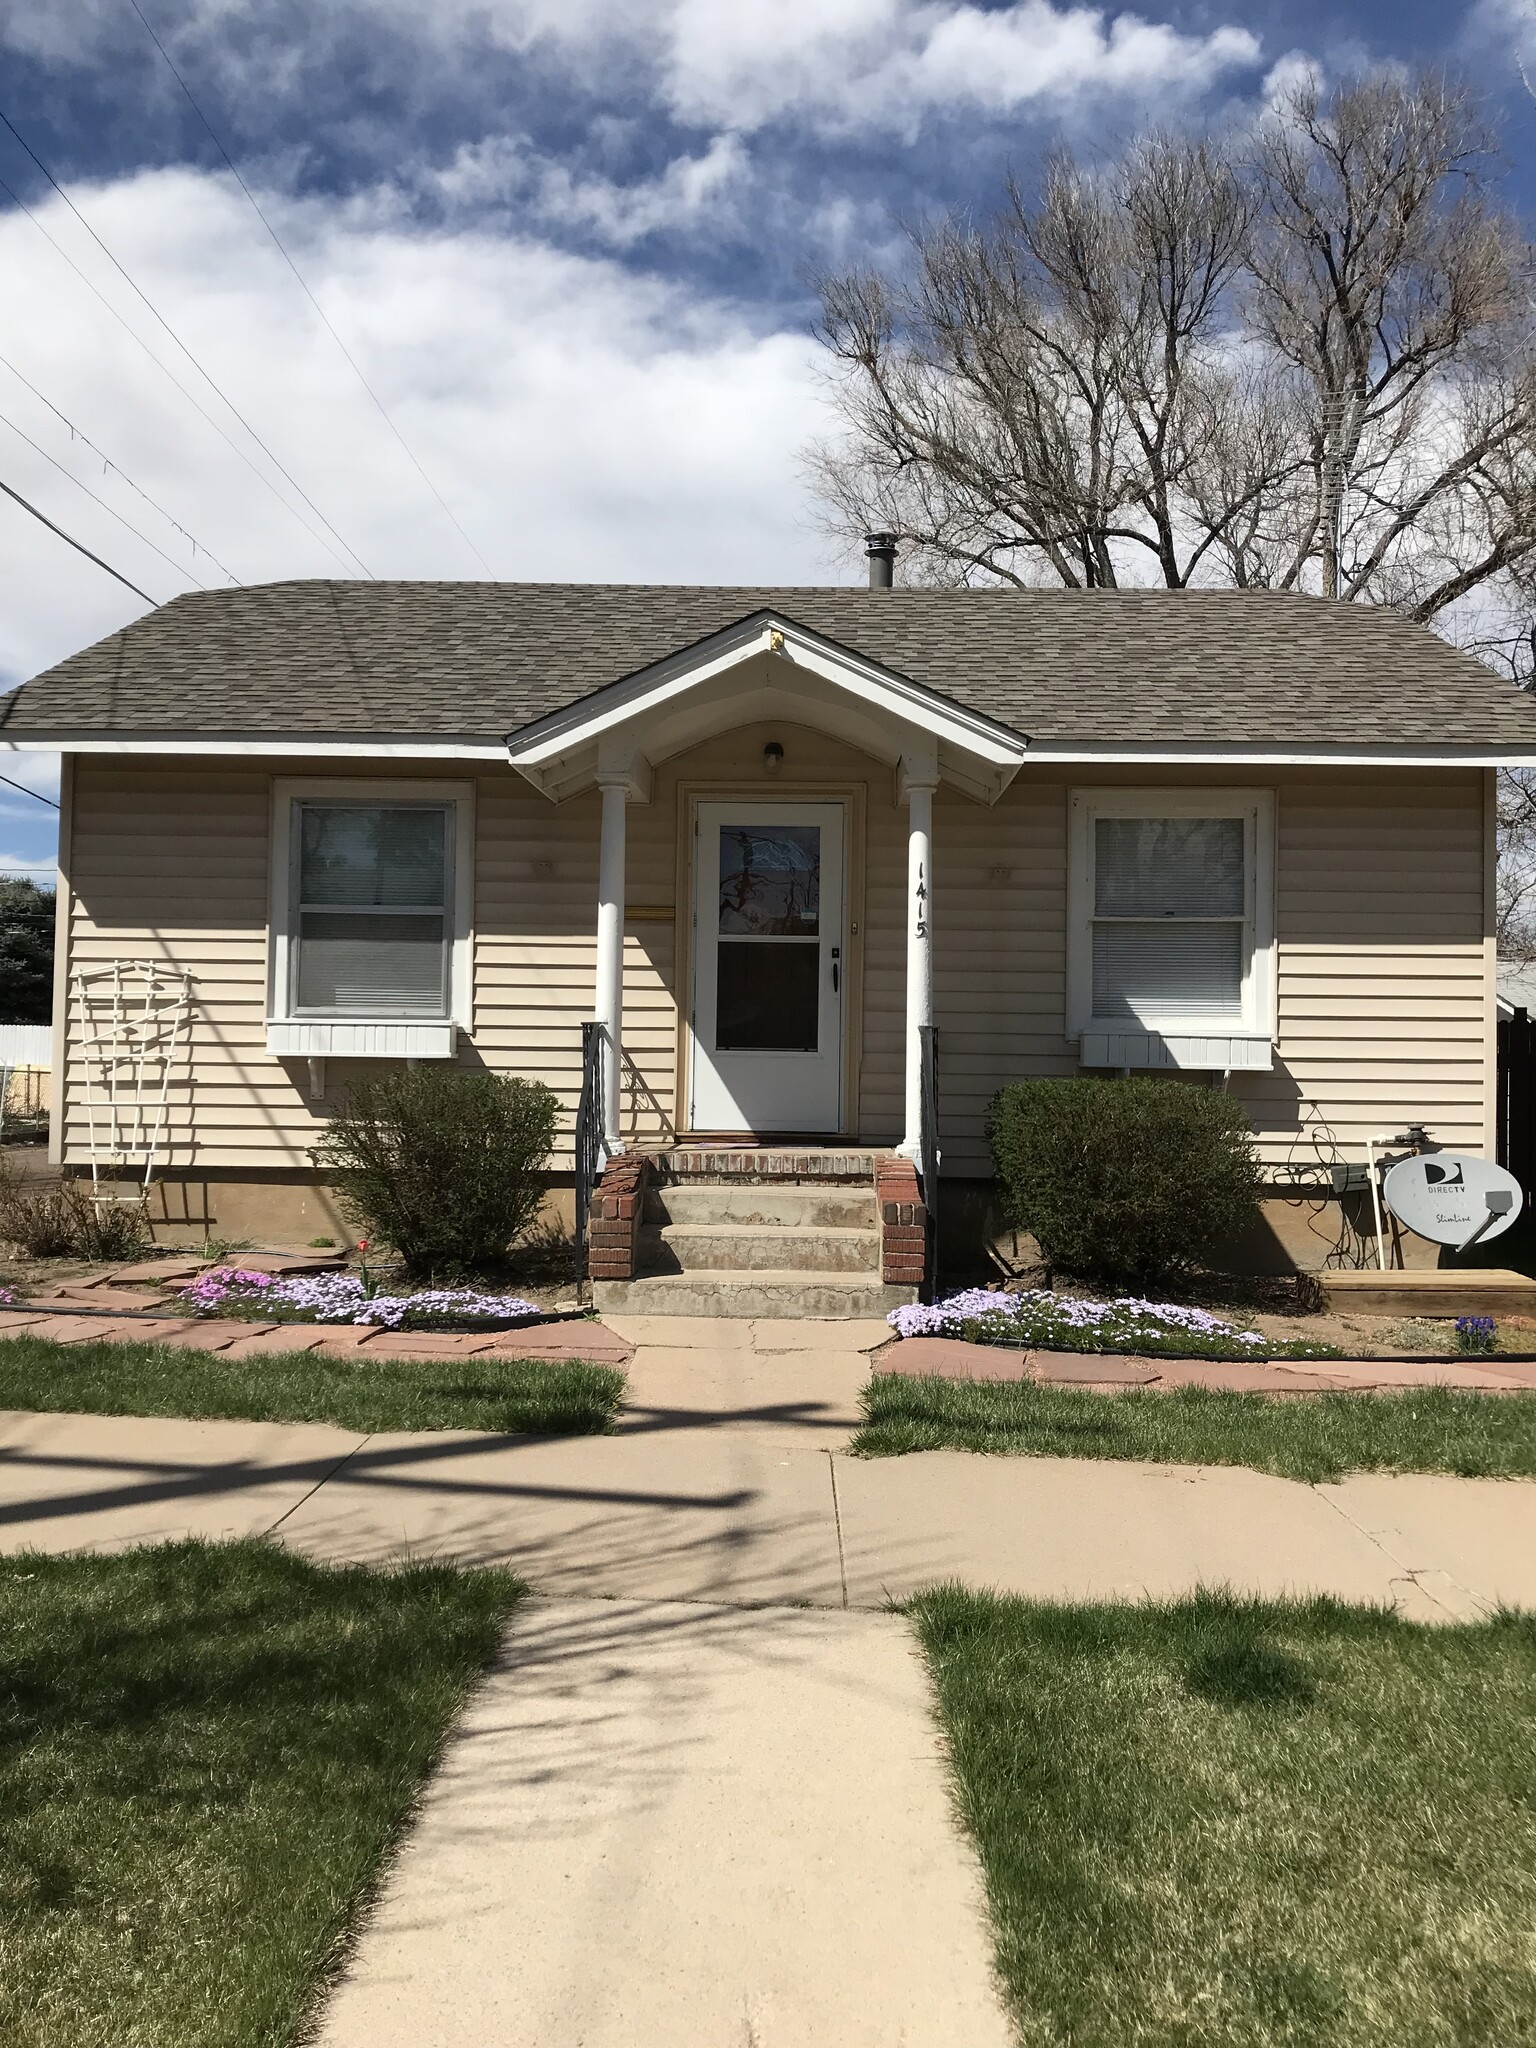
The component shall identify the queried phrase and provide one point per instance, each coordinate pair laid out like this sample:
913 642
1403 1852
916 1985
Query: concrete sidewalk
726 1514
662 1824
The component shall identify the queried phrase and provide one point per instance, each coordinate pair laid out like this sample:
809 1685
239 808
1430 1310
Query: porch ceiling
766 667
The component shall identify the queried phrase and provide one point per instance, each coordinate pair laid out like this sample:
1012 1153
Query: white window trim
1194 1042
367 1037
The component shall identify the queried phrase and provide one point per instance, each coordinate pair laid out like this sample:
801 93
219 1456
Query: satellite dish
1452 1199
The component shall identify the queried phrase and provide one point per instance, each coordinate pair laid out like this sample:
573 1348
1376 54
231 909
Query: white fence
26 1045
26 1084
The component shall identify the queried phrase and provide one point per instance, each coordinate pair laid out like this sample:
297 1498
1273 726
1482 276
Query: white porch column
608 1008
919 951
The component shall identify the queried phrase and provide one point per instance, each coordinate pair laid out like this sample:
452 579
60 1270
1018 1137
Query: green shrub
445 1165
1124 1181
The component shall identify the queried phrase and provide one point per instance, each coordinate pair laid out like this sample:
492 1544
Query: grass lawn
1315 1437
552 1397
1216 1824
206 1751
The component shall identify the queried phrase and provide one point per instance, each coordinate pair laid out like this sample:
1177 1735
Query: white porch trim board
608 1005
919 795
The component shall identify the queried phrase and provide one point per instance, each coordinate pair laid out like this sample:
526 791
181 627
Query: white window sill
1197 1052
371 1038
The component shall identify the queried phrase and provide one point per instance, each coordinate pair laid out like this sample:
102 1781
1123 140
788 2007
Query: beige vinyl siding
1385 987
1384 983
169 862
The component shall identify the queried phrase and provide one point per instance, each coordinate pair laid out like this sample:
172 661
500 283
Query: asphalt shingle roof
1139 667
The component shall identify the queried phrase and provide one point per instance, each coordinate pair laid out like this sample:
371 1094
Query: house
765 837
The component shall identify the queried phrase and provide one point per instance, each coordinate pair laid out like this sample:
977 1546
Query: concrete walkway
663 1824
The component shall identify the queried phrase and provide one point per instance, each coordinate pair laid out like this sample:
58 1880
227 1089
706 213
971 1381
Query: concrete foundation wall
1296 1233
272 1211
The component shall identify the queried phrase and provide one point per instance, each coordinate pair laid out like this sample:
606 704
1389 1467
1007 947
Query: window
370 917
1171 925
374 910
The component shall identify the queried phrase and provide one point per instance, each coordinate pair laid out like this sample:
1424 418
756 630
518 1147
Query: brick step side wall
903 1221
613 1220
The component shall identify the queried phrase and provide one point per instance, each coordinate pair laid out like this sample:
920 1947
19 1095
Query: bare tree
1305 362
1390 293
1034 397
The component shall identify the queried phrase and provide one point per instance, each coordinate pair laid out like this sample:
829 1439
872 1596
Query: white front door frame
763 1091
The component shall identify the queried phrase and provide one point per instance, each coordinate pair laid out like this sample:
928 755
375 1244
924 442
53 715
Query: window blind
1168 867
370 854
1160 975
371 966
374 925
1169 935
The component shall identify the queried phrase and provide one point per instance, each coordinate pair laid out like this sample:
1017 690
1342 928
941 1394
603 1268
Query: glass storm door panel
768 982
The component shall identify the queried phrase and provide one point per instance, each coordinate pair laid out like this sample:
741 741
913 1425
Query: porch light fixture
773 757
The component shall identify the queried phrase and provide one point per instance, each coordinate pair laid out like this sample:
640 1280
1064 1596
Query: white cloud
887 64
582 421
735 65
690 193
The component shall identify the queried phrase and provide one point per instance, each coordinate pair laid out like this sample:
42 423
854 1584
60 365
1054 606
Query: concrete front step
756 1247
774 1204
746 1293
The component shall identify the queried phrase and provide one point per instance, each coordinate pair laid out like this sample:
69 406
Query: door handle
836 969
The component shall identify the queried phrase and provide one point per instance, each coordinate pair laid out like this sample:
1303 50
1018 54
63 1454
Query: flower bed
341 1298
1046 1321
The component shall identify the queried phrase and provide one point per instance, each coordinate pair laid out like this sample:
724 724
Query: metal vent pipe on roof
881 550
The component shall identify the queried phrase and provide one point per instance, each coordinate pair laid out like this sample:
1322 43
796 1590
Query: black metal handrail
929 1155
589 1135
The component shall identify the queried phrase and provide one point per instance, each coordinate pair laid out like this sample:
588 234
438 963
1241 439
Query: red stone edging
951 1358
71 1324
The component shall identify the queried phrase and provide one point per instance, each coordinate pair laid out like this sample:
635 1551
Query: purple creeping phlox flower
1475 1333
1041 1316
341 1298
211 1290
459 1304
8 1297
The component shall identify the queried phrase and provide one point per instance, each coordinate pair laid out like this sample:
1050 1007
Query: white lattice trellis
132 1022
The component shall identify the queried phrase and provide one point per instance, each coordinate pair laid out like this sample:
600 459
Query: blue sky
568 241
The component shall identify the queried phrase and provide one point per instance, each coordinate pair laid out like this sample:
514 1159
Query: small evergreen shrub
444 1165
1125 1180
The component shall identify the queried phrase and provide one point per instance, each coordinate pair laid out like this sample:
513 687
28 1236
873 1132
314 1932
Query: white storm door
769 976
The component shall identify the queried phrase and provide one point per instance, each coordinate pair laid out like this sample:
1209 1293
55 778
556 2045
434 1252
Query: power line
79 486
117 469
78 545
196 404
208 379
48 800
304 287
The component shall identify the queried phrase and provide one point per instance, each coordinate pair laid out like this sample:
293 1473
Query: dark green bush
1124 1181
445 1165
